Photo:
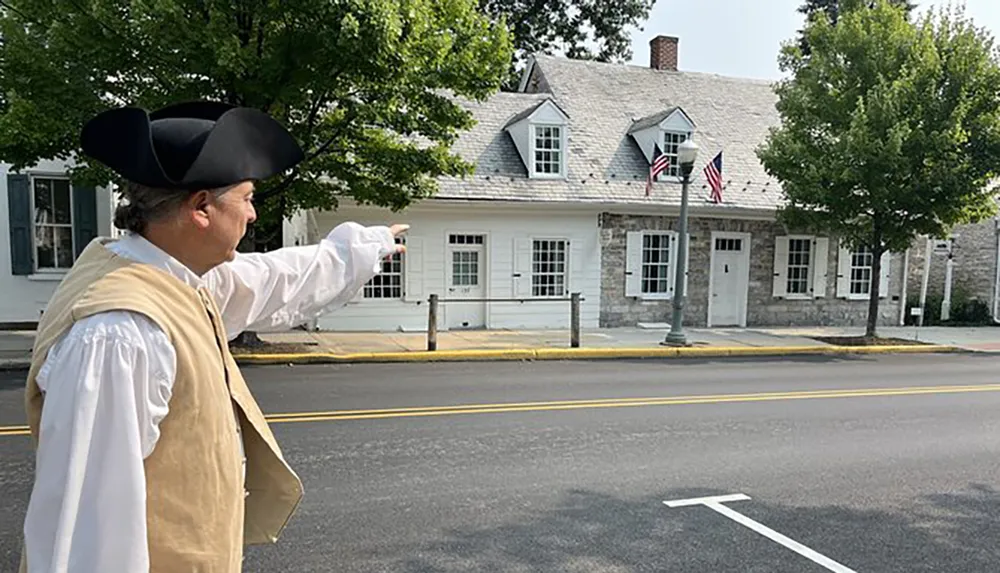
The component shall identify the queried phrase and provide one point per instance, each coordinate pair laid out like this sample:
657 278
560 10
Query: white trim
744 278
532 138
812 267
56 270
567 286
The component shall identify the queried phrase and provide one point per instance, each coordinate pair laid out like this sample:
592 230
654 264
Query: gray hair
143 205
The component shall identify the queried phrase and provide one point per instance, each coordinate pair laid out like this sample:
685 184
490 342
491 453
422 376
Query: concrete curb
581 354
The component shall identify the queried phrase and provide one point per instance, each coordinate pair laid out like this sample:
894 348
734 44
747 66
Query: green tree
366 86
890 129
831 9
580 29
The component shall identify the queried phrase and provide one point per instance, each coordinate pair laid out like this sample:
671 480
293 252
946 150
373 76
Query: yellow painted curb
582 354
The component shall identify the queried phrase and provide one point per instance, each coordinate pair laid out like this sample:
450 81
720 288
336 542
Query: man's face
223 219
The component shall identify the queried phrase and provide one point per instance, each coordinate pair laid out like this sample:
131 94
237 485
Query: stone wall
974 270
762 308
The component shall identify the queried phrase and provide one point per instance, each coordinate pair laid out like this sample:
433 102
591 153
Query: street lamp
687 152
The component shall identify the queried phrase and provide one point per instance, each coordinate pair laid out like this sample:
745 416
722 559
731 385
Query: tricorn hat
193 145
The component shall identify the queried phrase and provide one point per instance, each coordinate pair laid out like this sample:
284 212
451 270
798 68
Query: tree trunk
871 330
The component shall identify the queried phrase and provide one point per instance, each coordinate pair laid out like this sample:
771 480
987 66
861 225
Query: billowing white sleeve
267 292
107 385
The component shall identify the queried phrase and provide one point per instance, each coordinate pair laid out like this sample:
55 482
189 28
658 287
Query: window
466 239
465 268
861 271
729 245
656 262
800 267
548 150
799 261
671 141
52 201
389 283
548 267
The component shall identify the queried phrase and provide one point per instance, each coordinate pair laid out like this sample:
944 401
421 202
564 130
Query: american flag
713 172
659 165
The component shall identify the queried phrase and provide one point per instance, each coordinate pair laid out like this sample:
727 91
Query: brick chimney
663 53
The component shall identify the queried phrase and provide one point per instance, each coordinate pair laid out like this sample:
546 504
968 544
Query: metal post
676 337
574 320
432 323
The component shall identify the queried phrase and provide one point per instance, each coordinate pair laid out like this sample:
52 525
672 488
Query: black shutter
19 206
84 216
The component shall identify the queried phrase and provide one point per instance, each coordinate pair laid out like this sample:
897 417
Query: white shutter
780 288
820 262
883 287
633 264
522 268
413 266
843 271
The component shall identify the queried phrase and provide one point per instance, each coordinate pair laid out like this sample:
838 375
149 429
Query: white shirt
108 382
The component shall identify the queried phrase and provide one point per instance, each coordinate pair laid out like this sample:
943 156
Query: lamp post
687 152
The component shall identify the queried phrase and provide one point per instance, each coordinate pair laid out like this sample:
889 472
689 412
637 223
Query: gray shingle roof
605 165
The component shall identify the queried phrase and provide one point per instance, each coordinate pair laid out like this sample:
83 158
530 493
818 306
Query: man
152 455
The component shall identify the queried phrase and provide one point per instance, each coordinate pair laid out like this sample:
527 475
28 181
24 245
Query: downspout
906 280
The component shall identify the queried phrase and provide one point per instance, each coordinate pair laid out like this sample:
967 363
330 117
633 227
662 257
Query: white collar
137 248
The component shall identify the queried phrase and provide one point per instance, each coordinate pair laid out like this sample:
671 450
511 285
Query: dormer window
541 134
671 141
663 131
548 150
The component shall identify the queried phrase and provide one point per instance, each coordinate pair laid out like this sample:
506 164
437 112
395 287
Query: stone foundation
763 309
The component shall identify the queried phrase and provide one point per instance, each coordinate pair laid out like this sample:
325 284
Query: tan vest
200 510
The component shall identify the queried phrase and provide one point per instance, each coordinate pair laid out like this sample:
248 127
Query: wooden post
574 320
432 323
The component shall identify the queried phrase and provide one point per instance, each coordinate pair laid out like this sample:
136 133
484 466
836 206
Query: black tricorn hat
193 145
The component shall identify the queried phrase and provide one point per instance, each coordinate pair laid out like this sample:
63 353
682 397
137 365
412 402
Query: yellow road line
338 415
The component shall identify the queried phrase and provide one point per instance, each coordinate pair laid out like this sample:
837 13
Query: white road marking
715 503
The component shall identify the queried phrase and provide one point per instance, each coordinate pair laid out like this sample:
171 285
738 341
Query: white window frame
673 171
567 275
845 274
50 271
634 264
532 149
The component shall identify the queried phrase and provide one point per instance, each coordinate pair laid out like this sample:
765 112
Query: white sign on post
942 247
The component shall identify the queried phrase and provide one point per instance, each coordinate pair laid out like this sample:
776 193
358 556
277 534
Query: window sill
47 277
654 297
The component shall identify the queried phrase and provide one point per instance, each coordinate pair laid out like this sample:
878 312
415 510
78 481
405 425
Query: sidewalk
302 346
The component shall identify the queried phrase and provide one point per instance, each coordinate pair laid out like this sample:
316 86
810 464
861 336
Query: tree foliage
579 29
364 85
890 129
831 10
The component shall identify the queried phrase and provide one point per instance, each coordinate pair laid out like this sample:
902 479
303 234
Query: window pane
43 202
45 247
64 247
61 198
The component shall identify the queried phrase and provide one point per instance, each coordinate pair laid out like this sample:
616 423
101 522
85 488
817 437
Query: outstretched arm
266 292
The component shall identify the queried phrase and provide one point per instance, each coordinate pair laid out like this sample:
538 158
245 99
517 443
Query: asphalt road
878 480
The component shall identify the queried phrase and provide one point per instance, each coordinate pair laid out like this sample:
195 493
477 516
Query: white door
730 277
466 277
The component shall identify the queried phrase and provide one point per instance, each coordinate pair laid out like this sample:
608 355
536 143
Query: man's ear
198 204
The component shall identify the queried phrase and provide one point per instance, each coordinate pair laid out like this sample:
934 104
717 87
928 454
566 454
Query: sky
742 38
